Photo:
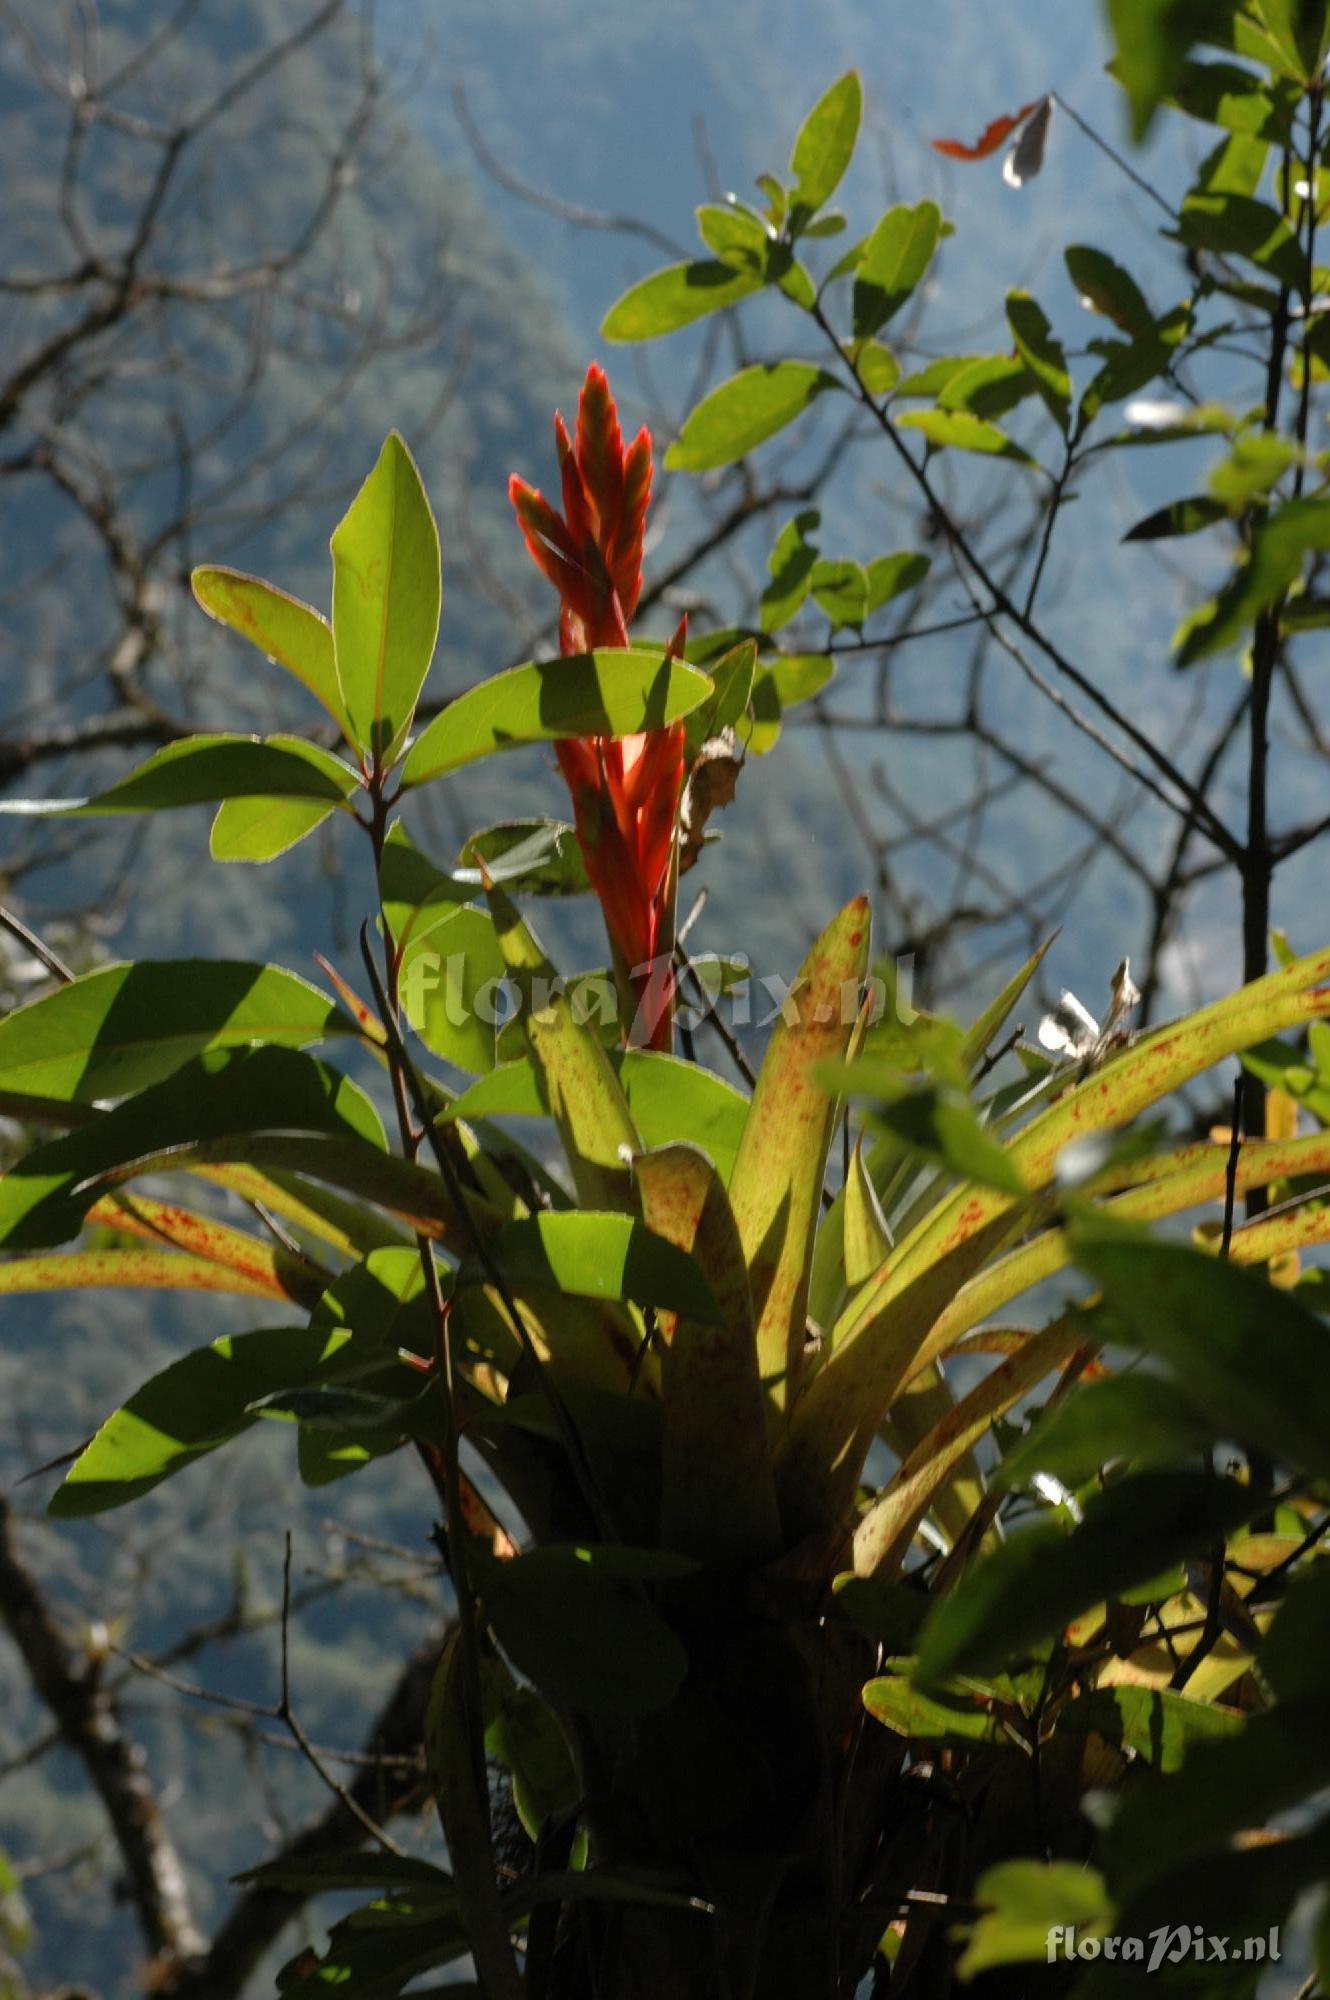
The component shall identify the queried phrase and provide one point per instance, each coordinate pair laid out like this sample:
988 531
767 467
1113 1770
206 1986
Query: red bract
625 792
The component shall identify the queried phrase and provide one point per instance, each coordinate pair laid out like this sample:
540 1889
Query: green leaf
891 576
893 261
737 238
776 1186
1152 40
261 829
1279 544
192 1407
594 1256
890 1612
1273 1763
1142 1418
1035 1584
791 564
576 1622
1295 1658
608 693
981 1035
1225 94
454 1734
289 632
825 145
1250 1356
841 590
1025 1901
451 979
578 1082
960 430
387 596
676 297
536 857
882 1330
951 1722
988 386
718 1498
124 1026
877 367
744 412
667 1100
1042 355
1180 517
44 1197
1104 287
934 1121
1237 225
1254 465
205 770
524 1736
1157 1724
797 677
670 1100
354 1868
1299 30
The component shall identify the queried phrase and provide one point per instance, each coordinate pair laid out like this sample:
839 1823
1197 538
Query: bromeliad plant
709 1497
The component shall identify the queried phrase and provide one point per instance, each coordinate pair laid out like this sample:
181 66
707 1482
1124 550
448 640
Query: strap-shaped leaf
882 1539
719 1499
608 693
776 1187
289 632
454 1733
125 1026
411 1193
165 1224
1171 1183
878 1341
387 594
584 1096
138 1269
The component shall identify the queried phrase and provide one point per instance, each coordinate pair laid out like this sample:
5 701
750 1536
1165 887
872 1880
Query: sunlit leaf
777 1181
893 262
1042 355
718 1497
289 632
124 1026
825 145
588 694
744 412
192 1407
387 595
960 430
676 297
595 1256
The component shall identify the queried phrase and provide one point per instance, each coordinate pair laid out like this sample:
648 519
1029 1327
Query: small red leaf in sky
989 140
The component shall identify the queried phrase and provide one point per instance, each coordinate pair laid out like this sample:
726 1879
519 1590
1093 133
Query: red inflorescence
625 791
